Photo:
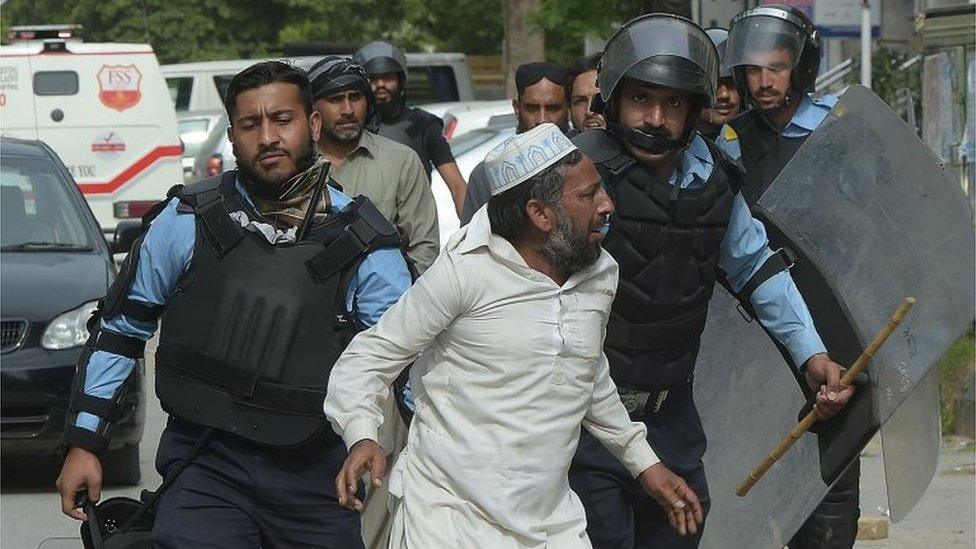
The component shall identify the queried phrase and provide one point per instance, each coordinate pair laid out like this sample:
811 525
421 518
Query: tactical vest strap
419 120
241 383
105 408
781 260
367 230
657 336
118 344
136 310
222 232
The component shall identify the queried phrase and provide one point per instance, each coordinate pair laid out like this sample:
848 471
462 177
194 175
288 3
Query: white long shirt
514 366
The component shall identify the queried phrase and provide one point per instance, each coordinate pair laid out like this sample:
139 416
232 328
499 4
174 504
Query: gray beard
568 250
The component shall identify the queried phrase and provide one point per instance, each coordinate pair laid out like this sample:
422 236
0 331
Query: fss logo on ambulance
118 86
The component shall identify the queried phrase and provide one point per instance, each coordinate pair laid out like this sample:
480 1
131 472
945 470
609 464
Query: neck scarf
288 211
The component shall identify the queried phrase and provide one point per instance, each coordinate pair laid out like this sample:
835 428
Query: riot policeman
727 99
386 66
680 223
261 276
774 53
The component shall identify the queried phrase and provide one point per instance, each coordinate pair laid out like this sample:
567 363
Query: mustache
270 150
768 90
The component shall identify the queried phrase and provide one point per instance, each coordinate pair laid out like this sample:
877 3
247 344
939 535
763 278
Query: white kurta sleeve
360 380
608 421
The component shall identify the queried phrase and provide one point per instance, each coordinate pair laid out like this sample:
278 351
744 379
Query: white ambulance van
105 109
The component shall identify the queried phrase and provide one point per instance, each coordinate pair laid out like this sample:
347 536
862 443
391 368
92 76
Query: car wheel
121 467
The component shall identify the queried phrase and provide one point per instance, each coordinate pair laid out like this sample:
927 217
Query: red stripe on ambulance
135 169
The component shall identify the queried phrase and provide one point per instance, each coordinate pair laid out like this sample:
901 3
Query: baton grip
846 380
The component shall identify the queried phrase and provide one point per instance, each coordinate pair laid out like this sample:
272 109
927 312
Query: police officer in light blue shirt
774 54
680 219
261 276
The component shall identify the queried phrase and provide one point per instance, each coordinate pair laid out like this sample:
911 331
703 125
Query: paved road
29 507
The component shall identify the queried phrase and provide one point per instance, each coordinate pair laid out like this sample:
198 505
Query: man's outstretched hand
679 501
365 455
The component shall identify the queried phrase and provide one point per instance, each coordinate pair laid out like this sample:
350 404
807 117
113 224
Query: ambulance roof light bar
30 33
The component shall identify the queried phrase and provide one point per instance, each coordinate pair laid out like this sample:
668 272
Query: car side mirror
126 233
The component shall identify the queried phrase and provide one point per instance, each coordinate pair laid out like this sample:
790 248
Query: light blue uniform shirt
166 253
778 304
806 119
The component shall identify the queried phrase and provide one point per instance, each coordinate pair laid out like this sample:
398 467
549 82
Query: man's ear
541 215
230 134
315 122
517 108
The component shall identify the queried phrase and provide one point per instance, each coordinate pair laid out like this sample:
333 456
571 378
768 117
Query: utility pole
866 43
522 43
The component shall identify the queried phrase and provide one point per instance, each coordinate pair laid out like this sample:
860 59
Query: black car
54 266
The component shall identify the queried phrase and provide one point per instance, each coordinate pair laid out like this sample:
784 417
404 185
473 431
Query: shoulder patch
729 133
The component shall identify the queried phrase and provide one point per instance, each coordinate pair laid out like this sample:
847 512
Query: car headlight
70 329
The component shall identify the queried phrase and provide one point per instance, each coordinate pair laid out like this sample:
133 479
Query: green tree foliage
190 30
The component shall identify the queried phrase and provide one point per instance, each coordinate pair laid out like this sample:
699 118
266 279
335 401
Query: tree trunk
522 44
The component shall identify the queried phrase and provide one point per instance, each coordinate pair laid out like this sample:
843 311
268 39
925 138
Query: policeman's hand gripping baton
811 418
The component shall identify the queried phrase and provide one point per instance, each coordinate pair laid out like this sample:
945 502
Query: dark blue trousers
239 495
619 515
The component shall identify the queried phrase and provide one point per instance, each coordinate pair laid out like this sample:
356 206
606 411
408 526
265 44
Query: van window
179 91
222 81
431 84
56 83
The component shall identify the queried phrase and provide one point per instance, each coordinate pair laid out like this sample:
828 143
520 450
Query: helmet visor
764 41
652 36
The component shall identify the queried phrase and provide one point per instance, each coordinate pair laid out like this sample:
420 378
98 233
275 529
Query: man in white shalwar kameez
511 317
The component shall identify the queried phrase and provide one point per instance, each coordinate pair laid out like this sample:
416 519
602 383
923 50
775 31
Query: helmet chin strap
654 144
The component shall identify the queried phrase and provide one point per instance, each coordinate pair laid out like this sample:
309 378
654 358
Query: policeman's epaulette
729 134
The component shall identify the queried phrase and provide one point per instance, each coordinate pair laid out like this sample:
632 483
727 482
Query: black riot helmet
334 74
720 38
756 32
662 50
381 58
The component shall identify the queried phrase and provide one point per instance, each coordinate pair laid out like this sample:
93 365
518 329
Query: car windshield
36 211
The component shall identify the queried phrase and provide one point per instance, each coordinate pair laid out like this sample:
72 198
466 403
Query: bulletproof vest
409 129
765 152
667 242
251 331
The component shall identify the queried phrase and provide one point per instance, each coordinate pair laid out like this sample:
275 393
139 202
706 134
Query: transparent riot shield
874 218
873 209
748 399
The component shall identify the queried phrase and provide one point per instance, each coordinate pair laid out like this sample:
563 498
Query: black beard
271 190
567 249
390 109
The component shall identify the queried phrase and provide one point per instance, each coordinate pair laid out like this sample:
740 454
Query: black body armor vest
667 241
765 152
409 129
252 330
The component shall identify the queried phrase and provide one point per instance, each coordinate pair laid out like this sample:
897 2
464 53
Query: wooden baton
811 418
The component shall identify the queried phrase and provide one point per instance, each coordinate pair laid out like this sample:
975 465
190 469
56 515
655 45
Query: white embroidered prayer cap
525 155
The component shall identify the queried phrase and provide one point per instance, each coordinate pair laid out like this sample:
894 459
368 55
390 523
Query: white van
432 77
105 110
